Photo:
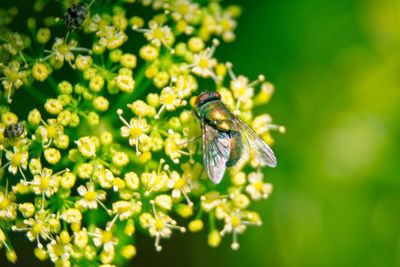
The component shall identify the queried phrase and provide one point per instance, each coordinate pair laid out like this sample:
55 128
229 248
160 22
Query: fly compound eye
201 98
216 95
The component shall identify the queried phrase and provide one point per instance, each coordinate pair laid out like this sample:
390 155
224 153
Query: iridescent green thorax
217 115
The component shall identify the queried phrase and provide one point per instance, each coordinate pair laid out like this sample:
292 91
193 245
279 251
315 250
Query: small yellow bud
11 256
62 141
214 238
128 60
93 118
83 62
115 55
68 180
149 53
64 117
153 100
125 83
151 71
90 252
53 106
100 103
81 239
31 23
196 44
161 79
55 225
145 157
43 35
65 238
129 229
184 210
106 138
27 209
52 155
238 179
41 254
119 183
196 225
40 72
221 70
85 170
136 21
34 117
128 251
164 201
74 120
96 83
120 159
65 87
132 180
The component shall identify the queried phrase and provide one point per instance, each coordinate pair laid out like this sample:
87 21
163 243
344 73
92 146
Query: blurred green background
336 202
335 65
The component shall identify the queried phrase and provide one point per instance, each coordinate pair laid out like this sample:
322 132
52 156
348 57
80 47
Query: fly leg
189 141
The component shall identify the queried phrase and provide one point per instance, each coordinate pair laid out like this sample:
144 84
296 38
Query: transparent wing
216 152
253 144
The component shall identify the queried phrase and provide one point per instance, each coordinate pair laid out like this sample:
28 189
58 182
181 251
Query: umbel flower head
109 143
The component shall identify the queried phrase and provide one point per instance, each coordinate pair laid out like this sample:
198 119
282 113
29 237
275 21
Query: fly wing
254 144
216 150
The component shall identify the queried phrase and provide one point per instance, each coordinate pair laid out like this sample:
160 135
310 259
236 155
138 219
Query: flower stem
36 94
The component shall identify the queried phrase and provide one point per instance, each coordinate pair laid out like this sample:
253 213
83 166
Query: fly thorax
224 125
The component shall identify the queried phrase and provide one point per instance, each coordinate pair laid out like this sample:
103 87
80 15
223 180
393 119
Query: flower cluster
111 144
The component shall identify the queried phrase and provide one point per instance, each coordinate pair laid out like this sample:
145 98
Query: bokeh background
336 202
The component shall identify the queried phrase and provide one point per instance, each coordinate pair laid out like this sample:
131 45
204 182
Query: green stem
36 94
211 220
52 83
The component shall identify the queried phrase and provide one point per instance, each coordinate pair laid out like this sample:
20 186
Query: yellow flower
136 131
180 185
160 226
204 63
8 208
236 223
50 131
13 78
62 51
37 228
86 146
45 182
111 37
18 160
105 238
72 216
257 188
91 197
125 209
170 99
158 34
59 251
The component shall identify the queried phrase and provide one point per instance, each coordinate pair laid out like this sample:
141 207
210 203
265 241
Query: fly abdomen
235 142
